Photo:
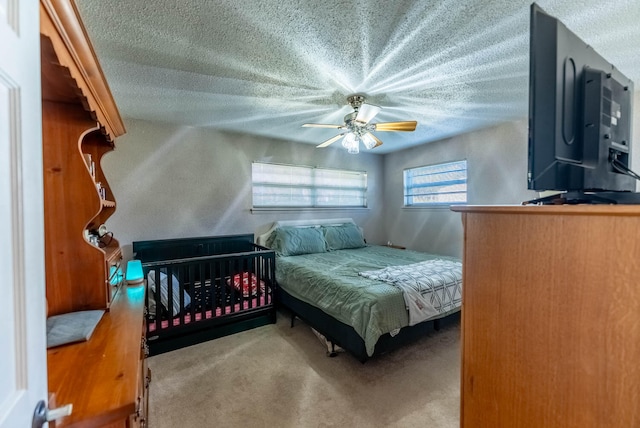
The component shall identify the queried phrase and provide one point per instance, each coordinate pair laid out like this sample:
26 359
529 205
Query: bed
356 295
205 287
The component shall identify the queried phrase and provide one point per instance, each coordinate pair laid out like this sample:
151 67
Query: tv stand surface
580 197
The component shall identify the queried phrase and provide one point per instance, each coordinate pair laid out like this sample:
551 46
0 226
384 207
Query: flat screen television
580 116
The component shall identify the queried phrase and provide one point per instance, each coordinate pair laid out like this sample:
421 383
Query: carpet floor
277 376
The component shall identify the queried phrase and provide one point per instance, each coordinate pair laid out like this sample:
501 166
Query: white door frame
23 359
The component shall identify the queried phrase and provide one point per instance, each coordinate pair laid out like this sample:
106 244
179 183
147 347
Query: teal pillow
343 236
293 241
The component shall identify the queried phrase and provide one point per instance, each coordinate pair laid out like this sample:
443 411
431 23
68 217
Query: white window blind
441 184
278 186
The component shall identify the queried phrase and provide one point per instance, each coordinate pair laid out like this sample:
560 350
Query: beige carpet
276 376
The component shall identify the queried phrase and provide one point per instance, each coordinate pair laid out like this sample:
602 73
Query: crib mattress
219 311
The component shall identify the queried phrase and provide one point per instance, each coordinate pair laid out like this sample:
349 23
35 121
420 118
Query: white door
23 358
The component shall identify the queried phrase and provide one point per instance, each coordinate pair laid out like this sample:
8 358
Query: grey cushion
71 327
343 236
293 241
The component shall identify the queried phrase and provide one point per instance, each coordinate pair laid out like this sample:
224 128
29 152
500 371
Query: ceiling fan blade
321 125
366 112
409 125
376 139
330 141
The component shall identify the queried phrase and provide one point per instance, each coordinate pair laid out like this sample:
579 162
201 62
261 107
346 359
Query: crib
203 288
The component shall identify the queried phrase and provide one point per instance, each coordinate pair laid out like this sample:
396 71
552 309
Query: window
441 184
292 186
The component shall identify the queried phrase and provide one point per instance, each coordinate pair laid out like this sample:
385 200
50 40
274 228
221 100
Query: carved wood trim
60 22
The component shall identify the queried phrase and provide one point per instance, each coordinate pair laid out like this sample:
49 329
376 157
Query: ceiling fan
357 127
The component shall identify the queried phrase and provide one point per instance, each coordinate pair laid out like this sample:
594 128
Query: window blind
440 184
294 186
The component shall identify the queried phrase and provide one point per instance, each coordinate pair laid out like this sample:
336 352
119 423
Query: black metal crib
204 288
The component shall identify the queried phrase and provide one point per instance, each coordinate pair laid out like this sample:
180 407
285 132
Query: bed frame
344 336
339 333
205 268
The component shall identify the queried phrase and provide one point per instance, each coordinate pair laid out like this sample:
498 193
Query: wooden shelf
104 378
112 251
60 23
79 119
399 247
101 377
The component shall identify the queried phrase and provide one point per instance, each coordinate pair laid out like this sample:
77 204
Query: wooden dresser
551 316
104 378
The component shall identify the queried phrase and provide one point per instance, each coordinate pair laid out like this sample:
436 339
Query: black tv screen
580 114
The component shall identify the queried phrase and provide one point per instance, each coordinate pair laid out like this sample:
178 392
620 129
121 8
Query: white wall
173 181
497 174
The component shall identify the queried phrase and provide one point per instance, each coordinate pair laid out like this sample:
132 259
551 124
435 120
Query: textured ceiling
267 67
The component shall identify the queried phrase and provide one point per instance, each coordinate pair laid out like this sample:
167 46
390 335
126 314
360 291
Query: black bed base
345 336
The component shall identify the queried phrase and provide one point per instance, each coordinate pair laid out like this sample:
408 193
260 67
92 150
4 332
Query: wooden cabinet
104 378
550 322
79 118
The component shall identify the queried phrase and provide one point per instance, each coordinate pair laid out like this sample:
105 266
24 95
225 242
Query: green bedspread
330 281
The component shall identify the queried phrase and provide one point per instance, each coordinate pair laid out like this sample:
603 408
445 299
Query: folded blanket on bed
430 288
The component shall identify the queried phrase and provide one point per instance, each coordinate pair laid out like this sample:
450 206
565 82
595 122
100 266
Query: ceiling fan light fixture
359 128
368 141
351 143
366 112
